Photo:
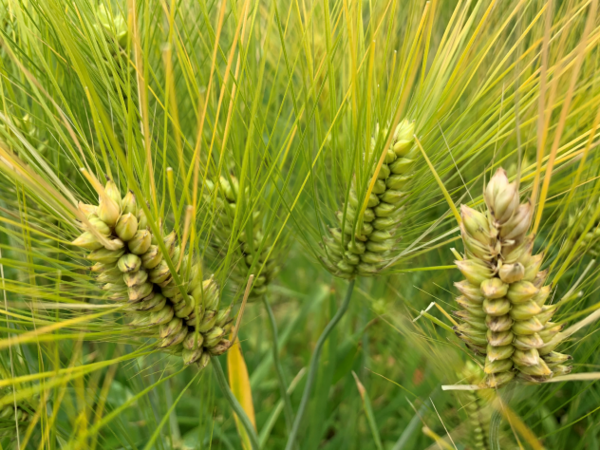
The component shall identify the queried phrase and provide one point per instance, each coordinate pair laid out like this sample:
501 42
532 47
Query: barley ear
503 313
252 252
364 247
135 273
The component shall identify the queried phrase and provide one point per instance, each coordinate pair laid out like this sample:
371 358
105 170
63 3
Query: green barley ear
365 245
590 242
25 127
10 414
129 263
478 406
114 26
504 316
7 25
251 247
32 133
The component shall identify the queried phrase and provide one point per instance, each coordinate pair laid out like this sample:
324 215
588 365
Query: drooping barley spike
365 251
134 272
504 316
251 246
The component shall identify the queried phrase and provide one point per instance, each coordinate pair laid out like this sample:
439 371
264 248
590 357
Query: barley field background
299 224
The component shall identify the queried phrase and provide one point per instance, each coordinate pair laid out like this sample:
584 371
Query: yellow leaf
239 382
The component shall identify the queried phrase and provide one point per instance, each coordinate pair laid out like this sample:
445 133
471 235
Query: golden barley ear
366 251
134 272
503 312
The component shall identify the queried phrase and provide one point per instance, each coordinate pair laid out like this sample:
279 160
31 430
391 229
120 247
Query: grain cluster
251 249
504 312
21 413
186 319
590 239
363 248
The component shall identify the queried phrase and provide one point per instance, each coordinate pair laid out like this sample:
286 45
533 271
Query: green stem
287 403
314 363
235 405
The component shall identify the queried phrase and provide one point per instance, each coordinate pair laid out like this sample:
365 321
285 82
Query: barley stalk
314 363
133 271
504 316
235 405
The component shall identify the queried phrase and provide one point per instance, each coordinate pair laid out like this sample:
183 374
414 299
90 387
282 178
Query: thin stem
314 363
287 403
235 405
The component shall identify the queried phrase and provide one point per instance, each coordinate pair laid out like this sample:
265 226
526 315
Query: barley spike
351 252
137 274
503 313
